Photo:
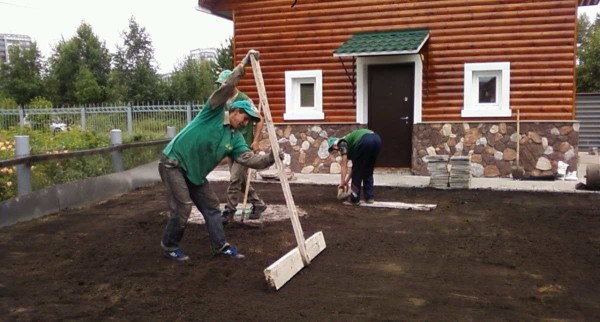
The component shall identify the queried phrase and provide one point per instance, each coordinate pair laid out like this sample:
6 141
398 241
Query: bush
8 176
52 172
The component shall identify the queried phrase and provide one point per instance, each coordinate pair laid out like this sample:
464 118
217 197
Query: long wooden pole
289 199
519 136
248 177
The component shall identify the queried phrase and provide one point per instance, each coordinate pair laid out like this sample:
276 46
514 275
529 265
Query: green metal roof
399 42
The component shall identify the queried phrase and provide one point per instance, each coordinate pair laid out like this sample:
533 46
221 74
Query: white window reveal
304 95
487 90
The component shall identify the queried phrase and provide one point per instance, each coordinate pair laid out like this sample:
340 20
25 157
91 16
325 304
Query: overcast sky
591 11
174 26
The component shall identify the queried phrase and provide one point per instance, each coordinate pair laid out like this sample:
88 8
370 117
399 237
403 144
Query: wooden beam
291 263
400 205
287 192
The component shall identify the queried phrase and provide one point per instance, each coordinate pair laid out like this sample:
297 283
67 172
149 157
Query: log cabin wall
536 37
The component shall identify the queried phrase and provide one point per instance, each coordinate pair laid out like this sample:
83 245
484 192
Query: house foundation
492 146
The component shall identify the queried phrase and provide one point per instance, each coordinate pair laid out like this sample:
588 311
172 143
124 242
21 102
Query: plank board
284 269
400 205
278 273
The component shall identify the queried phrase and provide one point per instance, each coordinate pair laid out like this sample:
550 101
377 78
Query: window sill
486 113
303 116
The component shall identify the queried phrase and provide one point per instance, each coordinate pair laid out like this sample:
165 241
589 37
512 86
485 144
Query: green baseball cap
223 76
331 142
247 107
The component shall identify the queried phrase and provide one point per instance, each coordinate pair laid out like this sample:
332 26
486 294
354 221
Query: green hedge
52 172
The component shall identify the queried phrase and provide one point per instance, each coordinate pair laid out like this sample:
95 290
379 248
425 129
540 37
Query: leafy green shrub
59 171
6 120
135 157
39 102
8 176
8 103
52 172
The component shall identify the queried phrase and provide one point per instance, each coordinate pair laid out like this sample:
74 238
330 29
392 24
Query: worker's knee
183 210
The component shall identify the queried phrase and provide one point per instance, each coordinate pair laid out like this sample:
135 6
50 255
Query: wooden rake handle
248 178
285 185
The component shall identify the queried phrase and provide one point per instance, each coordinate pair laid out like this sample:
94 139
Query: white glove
246 61
272 156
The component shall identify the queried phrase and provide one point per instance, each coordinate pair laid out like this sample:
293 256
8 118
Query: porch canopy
381 43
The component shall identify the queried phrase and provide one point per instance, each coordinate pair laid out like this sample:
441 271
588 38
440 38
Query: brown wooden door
391 101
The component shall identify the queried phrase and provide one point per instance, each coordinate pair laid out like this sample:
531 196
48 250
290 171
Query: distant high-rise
204 54
9 40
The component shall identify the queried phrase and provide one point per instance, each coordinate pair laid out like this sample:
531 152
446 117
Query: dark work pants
363 163
181 194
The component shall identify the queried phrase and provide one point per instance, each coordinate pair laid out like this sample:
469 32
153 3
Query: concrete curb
54 199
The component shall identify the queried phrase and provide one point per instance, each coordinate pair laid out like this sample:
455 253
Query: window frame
471 105
293 110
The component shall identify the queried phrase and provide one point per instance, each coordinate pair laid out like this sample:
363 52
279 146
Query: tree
224 57
134 75
193 80
588 70
82 52
583 26
87 89
20 78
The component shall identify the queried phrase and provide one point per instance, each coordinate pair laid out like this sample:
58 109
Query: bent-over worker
362 147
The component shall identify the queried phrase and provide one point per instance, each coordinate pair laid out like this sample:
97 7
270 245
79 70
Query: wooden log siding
536 37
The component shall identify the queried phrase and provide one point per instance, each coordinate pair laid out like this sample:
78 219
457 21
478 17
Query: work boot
257 210
227 216
351 202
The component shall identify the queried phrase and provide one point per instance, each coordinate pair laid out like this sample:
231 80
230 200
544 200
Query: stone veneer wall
492 146
305 146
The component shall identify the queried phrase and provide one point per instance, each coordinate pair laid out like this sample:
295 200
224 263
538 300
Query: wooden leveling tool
291 263
248 179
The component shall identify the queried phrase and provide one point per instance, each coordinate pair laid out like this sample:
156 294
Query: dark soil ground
480 256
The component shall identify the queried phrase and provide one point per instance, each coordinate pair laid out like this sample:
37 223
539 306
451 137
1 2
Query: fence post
129 119
21 118
189 113
82 112
23 170
170 132
117 160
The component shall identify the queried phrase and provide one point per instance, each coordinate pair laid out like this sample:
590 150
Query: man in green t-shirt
194 153
362 146
238 172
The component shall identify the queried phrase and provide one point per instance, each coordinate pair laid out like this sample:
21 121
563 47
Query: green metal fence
149 119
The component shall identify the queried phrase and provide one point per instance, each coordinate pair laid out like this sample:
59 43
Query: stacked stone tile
460 172
437 165
492 146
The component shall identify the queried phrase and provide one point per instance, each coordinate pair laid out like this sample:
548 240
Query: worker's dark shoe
257 210
350 203
177 255
227 216
230 252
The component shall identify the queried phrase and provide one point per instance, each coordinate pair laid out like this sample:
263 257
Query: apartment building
204 54
9 40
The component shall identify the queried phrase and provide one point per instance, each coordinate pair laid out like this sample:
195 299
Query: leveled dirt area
480 256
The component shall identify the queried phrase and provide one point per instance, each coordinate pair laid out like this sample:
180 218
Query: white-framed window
487 90
304 95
